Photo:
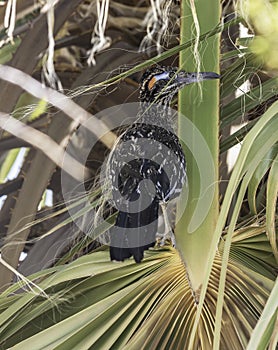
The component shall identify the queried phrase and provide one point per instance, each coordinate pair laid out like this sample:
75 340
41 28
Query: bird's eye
171 75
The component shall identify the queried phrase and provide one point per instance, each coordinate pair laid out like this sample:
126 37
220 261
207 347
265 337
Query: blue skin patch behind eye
163 75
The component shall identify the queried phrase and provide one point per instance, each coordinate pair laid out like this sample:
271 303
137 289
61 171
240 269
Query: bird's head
160 84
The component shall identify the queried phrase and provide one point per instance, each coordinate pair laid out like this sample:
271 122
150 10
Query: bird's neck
156 113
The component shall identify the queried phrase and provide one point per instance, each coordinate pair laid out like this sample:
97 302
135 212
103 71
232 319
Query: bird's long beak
183 78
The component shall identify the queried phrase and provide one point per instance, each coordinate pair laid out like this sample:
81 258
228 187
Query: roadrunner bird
147 167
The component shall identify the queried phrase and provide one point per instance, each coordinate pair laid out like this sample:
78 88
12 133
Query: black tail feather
134 233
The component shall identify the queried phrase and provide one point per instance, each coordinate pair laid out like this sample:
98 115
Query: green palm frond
93 303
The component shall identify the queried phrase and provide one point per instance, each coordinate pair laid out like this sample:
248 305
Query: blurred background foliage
261 18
